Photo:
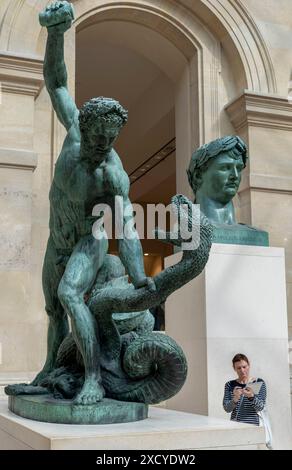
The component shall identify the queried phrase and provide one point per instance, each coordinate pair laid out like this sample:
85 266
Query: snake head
189 223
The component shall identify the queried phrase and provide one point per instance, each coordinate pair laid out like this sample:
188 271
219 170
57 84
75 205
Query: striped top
245 410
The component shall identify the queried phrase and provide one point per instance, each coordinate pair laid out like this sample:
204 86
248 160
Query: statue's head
100 122
215 168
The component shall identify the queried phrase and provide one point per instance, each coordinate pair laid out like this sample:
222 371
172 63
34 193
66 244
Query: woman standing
239 399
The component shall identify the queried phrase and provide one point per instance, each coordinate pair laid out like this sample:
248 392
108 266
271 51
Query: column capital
260 110
21 74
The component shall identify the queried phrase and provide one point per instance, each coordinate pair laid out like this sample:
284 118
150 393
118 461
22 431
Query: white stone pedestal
163 430
238 304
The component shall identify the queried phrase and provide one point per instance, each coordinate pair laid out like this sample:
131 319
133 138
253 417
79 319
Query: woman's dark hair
239 357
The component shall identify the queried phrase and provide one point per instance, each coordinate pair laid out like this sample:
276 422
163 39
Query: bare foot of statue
24 389
91 392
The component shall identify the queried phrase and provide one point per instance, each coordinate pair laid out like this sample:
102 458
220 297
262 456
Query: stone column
22 338
265 196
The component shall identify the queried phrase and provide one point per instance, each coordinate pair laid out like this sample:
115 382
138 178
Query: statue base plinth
240 234
50 410
163 430
237 305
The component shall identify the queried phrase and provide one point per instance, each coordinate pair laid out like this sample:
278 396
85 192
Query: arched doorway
115 58
169 74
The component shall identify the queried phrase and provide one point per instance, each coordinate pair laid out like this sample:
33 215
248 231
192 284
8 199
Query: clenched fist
58 15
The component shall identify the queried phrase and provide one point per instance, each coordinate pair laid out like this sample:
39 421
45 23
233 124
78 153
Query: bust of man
214 174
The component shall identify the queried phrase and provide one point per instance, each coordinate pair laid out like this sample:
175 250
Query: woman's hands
238 392
247 392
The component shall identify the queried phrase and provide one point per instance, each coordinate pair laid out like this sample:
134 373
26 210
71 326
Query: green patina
215 174
48 409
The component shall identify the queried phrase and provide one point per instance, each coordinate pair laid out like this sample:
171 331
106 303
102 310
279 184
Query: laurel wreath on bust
224 144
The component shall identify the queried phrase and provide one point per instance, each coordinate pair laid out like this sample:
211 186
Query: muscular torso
77 187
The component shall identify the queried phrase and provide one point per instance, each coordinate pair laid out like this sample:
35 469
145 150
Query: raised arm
58 18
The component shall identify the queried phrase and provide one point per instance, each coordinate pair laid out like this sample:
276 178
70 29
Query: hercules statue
88 171
112 355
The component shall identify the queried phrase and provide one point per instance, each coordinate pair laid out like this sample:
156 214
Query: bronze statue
111 351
